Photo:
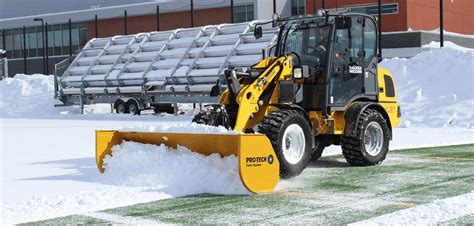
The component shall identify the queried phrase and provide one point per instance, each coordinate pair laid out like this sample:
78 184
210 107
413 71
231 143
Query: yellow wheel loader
322 86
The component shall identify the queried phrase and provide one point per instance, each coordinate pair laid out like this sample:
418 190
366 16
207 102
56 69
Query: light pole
44 46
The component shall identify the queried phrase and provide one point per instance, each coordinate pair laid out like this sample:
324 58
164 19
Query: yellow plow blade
258 165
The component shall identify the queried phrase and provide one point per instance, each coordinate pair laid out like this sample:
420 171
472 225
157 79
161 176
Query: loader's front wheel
370 144
290 135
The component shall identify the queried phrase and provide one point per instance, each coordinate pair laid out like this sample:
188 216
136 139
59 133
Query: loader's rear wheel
290 135
317 152
370 144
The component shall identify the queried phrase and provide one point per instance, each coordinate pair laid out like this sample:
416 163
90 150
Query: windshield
308 41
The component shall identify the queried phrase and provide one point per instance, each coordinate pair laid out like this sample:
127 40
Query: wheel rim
373 138
132 109
121 108
293 144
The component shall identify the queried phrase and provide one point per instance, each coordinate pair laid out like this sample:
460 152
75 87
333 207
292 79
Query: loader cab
341 54
353 70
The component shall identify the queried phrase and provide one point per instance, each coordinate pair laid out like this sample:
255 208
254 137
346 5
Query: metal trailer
3 64
158 69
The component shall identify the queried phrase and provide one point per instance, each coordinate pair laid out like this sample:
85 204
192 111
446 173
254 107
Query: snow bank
25 95
428 214
435 88
178 172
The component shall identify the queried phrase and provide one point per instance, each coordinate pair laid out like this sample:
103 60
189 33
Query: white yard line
428 214
120 219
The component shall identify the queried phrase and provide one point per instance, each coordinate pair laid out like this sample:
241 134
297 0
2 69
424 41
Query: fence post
232 11
96 25
125 23
70 38
192 13
47 48
24 49
441 24
157 18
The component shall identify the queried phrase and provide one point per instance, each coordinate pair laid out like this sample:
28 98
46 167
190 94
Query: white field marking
120 219
441 210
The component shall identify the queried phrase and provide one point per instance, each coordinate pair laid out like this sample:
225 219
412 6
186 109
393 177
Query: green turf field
328 191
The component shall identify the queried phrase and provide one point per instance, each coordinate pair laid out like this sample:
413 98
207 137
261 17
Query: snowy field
47 154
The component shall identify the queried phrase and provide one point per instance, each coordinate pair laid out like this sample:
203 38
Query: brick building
398 16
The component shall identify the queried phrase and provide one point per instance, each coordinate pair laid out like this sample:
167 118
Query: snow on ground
428 214
47 154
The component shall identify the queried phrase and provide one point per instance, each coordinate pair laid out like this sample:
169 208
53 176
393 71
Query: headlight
297 73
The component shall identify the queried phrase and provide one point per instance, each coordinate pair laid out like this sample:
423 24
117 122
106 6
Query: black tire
317 152
354 148
213 116
274 126
121 107
163 108
133 108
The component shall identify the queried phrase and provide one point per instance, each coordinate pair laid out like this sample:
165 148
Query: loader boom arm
249 96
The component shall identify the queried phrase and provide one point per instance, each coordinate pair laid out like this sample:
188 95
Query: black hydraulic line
24 50
125 22
70 38
441 24
157 18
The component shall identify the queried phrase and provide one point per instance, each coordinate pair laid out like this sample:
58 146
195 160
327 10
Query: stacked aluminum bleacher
182 61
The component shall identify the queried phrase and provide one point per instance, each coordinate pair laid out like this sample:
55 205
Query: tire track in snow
441 210
126 220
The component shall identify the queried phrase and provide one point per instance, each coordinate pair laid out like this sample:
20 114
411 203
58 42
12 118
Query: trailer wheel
370 144
121 107
132 107
290 135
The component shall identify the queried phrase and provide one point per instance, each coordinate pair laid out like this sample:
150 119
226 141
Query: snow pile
185 127
428 214
435 88
177 172
25 95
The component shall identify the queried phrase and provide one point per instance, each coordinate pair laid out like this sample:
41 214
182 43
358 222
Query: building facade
64 39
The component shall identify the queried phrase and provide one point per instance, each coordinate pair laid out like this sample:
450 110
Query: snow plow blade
258 165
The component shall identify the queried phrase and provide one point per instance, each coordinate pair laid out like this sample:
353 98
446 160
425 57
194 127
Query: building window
374 9
243 13
58 40
298 7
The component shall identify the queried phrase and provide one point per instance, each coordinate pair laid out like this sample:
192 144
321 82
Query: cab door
354 70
